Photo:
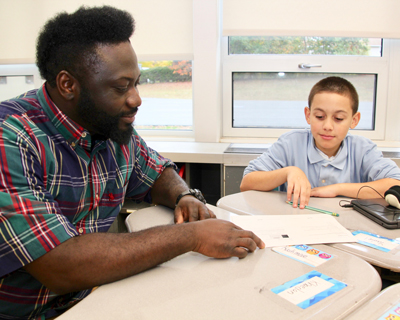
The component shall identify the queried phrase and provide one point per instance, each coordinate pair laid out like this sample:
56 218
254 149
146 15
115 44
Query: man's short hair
69 41
335 85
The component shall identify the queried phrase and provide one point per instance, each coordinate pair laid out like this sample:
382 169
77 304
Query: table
193 286
380 306
274 202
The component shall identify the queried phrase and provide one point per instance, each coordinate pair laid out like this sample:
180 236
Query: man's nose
134 99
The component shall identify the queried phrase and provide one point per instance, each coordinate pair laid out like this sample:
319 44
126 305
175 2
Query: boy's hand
299 186
325 191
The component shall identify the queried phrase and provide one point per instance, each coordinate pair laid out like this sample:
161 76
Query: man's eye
122 89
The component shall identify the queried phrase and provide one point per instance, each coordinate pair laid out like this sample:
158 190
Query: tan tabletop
193 286
274 202
380 306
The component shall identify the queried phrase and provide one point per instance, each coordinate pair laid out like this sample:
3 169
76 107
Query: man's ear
355 120
67 85
307 114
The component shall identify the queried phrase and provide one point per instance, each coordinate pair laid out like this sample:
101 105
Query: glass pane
306 45
277 100
166 92
12 86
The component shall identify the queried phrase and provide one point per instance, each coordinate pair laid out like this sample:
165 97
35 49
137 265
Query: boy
324 161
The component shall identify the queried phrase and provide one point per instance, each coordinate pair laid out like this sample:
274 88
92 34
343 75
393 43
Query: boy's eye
319 117
339 119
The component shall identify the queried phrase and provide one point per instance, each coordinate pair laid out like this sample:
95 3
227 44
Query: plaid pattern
57 183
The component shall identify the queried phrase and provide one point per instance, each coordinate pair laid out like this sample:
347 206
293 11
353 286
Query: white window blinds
339 18
164 29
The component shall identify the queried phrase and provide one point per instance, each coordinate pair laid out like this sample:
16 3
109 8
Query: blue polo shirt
358 160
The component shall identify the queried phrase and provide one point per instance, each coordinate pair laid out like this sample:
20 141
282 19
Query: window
266 81
166 92
16 79
306 45
277 99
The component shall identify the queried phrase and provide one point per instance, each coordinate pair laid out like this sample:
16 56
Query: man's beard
104 124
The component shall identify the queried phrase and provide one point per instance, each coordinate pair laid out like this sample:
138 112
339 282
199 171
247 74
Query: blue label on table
308 289
305 254
375 241
392 314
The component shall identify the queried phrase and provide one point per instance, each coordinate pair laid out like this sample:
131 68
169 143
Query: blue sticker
375 241
309 282
393 313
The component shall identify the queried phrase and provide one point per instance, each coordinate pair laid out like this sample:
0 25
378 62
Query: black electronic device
379 211
392 196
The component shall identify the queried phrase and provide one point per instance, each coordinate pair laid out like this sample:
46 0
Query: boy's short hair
69 41
335 85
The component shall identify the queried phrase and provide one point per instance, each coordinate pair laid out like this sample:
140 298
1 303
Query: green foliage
298 45
152 64
175 71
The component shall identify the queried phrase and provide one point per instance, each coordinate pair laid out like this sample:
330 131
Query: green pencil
317 210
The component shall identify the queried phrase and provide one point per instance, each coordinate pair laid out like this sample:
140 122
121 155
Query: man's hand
191 209
299 186
223 239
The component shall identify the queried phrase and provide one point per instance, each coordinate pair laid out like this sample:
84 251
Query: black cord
372 189
349 205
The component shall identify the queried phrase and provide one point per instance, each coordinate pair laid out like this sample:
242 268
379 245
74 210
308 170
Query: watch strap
193 192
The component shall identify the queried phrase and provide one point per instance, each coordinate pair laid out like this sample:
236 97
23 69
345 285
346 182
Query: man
69 157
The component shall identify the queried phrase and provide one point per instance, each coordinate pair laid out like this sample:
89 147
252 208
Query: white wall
178 29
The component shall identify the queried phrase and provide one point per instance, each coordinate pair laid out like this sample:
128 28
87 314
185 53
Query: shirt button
84 135
80 230
73 144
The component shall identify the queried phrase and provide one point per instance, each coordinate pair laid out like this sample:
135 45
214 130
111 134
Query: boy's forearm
264 180
365 190
373 189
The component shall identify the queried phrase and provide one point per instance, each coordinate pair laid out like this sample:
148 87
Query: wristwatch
193 192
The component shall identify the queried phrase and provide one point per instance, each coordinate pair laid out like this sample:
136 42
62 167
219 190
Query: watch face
199 195
195 193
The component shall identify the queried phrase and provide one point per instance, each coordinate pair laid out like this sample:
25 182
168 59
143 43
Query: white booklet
285 230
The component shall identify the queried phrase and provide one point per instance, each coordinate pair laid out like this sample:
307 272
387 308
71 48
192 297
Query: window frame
22 69
289 63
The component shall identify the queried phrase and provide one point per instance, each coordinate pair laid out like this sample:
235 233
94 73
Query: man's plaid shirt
54 185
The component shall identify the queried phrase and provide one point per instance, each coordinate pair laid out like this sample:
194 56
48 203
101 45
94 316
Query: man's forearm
90 260
168 187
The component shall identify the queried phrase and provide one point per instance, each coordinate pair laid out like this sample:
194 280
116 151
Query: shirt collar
73 133
314 156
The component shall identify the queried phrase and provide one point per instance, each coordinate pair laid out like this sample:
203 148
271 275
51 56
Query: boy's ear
307 113
355 120
67 85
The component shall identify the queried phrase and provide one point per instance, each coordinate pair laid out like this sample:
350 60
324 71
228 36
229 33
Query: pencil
317 210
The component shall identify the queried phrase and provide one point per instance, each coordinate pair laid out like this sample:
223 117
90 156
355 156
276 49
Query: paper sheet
284 230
